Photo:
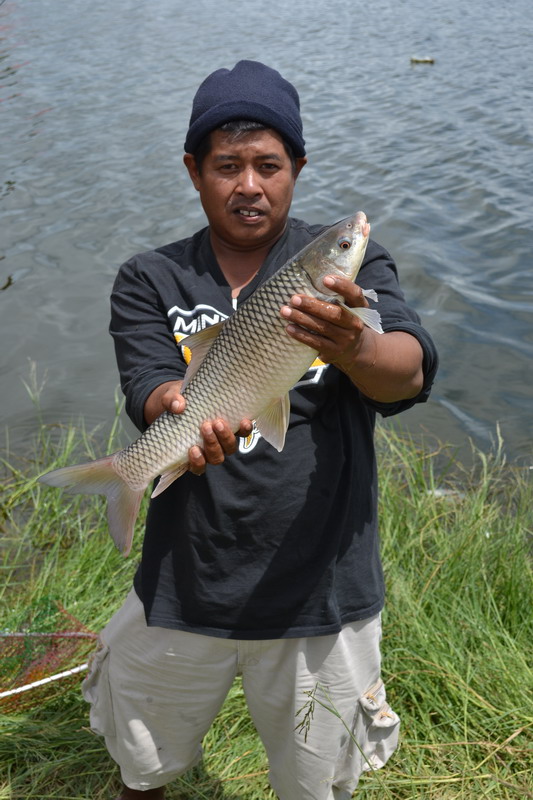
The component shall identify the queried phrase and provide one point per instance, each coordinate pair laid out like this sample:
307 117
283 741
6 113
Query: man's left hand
219 441
326 326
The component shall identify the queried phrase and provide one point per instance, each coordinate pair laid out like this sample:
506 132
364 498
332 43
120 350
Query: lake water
95 100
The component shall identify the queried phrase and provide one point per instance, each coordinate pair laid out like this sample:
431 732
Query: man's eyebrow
260 157
226 158
271 156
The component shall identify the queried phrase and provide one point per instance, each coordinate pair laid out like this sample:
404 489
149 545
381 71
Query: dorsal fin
199 344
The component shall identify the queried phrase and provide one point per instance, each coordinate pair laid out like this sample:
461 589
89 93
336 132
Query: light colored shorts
154 693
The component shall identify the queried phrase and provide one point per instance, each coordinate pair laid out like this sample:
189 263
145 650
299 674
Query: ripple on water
439 156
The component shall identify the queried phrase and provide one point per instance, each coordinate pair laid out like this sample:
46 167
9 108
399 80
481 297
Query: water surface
95 99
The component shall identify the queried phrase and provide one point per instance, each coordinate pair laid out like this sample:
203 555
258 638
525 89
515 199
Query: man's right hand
219 439
165 397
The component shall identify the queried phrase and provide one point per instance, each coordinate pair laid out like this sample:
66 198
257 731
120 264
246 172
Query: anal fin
169 477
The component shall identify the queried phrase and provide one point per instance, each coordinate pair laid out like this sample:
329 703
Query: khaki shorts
154 693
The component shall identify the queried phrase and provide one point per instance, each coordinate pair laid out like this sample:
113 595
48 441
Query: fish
240 368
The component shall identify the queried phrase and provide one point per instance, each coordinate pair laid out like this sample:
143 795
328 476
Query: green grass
456 544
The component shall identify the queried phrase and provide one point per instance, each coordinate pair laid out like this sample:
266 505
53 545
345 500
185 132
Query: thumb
174 403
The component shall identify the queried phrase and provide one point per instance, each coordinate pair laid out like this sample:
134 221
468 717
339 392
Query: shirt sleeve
379 272
145 347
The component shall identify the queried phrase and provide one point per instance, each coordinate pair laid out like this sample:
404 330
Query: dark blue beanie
250 91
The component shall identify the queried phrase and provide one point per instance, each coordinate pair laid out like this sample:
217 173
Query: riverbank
456 546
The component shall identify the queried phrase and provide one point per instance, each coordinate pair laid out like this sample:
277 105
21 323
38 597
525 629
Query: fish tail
100 477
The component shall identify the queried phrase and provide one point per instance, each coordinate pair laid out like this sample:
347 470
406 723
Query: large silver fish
241 368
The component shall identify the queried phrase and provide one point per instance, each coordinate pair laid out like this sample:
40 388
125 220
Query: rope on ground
43 681
41 660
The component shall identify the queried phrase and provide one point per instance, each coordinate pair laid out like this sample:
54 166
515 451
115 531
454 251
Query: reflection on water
93 113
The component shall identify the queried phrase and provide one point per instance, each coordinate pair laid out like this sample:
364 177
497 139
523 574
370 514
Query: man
267 565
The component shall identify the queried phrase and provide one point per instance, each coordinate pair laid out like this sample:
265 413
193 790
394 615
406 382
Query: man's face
246 187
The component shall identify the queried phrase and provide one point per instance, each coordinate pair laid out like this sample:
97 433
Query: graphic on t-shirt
189 322
202 316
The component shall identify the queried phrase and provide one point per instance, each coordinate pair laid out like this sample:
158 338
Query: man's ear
299 165
190 163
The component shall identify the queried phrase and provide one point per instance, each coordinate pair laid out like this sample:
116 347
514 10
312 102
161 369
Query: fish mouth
363 224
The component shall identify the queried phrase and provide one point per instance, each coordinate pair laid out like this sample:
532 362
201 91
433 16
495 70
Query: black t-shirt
268 544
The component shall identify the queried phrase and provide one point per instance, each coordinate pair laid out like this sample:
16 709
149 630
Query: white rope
33 685
62 635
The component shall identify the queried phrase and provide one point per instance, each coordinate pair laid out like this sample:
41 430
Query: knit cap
251 91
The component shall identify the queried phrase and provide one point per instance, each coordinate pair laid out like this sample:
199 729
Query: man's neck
239 267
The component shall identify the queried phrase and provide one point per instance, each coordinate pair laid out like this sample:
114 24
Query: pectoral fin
372 294
273 421
369 316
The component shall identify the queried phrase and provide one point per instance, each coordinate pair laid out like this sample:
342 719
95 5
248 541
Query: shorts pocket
96 690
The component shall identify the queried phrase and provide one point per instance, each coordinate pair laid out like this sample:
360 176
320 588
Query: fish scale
242 368
231 363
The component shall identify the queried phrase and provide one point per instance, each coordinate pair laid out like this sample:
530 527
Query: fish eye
344 243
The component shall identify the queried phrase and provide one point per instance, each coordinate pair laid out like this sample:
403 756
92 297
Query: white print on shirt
313 374
202 316
188 322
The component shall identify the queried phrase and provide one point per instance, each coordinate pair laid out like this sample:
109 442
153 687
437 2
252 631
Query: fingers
246 428
219 441
351 293
176 405
319 314
327 327
172 400
165 397
317 322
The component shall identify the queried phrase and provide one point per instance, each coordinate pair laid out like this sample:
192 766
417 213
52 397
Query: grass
456 544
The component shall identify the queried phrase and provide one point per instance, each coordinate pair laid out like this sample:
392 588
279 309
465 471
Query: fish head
338 251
